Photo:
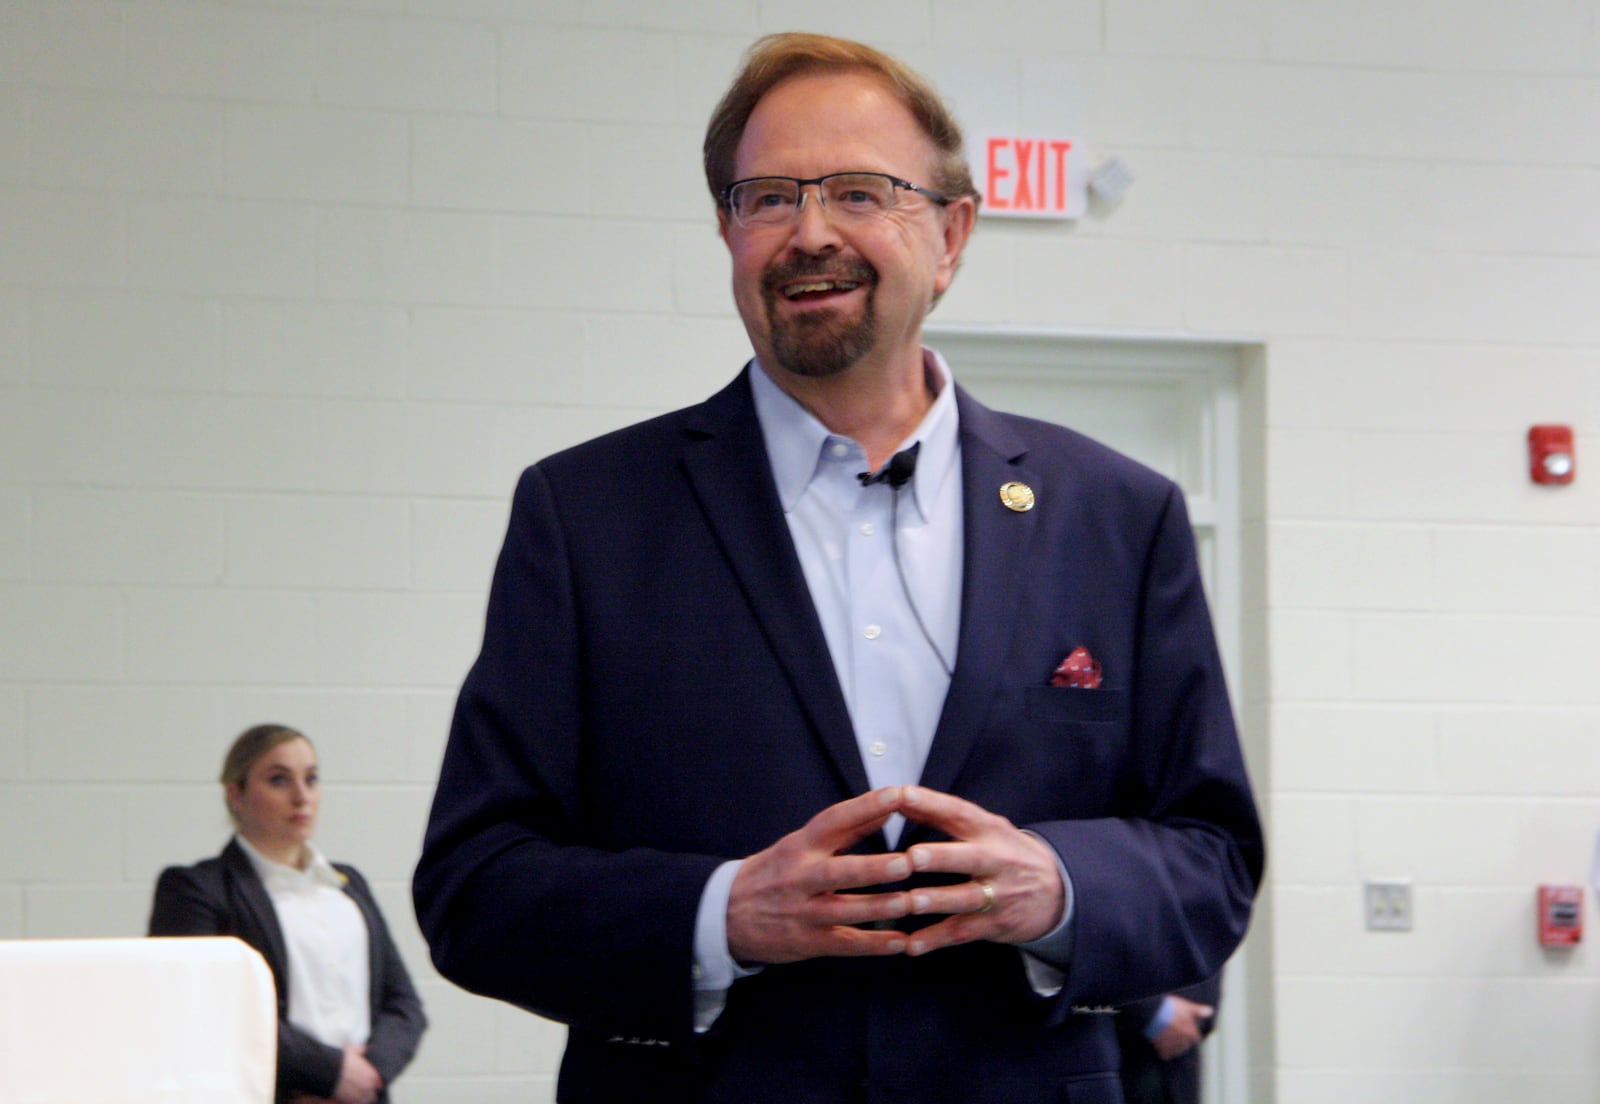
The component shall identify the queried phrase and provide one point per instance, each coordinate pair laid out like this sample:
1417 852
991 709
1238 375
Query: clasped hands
359 1081
789 903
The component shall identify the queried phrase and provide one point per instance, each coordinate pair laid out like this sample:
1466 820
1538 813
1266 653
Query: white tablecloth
136 1021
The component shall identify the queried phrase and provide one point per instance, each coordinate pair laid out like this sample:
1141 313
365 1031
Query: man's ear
724 224
960 215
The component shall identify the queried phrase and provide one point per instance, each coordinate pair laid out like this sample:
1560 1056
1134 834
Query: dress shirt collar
278 877
795 438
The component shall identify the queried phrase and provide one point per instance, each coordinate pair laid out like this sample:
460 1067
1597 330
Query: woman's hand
359 1080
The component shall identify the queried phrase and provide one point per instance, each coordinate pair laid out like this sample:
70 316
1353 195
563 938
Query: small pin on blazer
1017 496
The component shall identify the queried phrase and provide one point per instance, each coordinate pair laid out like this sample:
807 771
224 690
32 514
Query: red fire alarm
1560 915
1551 458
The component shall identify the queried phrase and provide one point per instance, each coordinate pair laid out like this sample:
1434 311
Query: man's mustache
854 270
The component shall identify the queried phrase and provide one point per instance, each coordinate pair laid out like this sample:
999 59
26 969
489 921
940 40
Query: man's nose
813 231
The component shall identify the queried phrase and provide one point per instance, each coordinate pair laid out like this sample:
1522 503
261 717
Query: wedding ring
988 895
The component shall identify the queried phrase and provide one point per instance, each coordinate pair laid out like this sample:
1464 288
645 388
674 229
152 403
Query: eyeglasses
776 200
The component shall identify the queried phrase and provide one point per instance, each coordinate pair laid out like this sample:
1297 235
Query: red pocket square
1079 670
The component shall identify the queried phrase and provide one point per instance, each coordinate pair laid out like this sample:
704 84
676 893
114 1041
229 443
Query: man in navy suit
839 739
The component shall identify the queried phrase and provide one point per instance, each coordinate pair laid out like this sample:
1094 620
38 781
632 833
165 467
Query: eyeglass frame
726 195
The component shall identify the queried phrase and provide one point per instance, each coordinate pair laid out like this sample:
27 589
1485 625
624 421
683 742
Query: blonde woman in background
348 1017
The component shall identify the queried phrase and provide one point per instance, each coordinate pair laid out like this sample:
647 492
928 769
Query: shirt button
840 449
866 529
872 632
879 748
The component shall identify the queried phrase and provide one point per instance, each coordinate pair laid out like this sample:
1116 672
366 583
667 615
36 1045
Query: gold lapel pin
1017 496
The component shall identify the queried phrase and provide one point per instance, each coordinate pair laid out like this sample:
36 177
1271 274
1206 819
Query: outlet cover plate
1388 905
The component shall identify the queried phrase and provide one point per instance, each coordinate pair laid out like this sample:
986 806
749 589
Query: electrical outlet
1388 906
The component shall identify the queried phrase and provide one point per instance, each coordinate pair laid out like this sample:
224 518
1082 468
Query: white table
136 1021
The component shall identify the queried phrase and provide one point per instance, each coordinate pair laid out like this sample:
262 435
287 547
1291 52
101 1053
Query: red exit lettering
1026 175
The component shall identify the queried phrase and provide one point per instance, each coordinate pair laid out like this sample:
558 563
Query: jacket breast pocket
1072 705
1073 744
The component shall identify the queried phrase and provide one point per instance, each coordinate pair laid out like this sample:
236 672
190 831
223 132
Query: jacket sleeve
515 898
1137 1016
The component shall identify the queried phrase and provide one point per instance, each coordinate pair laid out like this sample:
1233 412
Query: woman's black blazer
223 896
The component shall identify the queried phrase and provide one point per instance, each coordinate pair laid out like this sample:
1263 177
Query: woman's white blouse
326 937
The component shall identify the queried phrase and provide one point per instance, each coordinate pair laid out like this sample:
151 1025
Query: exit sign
1032 177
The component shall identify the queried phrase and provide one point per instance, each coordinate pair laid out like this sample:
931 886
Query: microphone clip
897 472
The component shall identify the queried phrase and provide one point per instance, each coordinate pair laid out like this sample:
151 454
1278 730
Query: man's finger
840 825
965 928
858 943
837 909
955 816
975 897
859 872
953 858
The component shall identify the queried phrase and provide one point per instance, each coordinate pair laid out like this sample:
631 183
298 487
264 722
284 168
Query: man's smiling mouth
816 287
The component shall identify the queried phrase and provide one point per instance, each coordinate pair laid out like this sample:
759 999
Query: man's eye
771 199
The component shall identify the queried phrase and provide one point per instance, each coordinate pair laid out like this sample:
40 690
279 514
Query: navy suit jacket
654 696
224 896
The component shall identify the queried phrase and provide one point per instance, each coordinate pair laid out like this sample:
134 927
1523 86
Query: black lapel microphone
897 472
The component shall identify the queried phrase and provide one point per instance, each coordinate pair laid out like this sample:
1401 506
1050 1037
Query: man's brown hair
777 57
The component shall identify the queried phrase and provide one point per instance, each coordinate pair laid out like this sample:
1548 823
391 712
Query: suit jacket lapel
258 906
726 462
995 545
369 916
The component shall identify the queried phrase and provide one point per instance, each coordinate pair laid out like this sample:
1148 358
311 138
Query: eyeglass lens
776 199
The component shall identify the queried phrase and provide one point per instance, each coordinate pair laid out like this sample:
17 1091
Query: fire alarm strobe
1551 458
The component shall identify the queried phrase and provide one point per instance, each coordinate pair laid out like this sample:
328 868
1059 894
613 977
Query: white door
1172 404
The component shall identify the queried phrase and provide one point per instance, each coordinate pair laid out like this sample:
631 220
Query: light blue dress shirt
892 631
893 641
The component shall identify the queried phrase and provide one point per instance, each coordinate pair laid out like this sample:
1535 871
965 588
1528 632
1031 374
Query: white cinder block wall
291 289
